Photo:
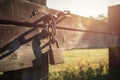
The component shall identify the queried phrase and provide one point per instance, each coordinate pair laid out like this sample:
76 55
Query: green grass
82 64
99 73
73 58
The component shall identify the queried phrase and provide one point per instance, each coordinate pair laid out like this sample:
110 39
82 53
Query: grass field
73 58
81 64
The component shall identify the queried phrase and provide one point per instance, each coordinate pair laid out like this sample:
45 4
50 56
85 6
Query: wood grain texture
18 10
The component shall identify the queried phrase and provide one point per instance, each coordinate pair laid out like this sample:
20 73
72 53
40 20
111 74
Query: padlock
55 55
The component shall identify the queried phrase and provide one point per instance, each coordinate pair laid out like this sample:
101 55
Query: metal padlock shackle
53 39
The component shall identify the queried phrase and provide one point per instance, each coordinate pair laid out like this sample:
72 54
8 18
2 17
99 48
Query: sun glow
85 8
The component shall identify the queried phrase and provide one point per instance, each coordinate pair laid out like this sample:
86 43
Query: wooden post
114 60
114 52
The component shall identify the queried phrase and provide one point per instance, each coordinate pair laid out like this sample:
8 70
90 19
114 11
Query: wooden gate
24 63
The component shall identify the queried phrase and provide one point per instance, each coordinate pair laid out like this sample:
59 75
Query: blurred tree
102 17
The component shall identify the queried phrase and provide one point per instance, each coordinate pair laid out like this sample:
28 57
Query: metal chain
52 26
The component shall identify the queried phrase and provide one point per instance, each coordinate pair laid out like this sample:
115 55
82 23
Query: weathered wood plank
21 10
22 58
33 73
114 52
18 10
41 2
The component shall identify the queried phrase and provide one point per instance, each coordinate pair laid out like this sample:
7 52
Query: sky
84 8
